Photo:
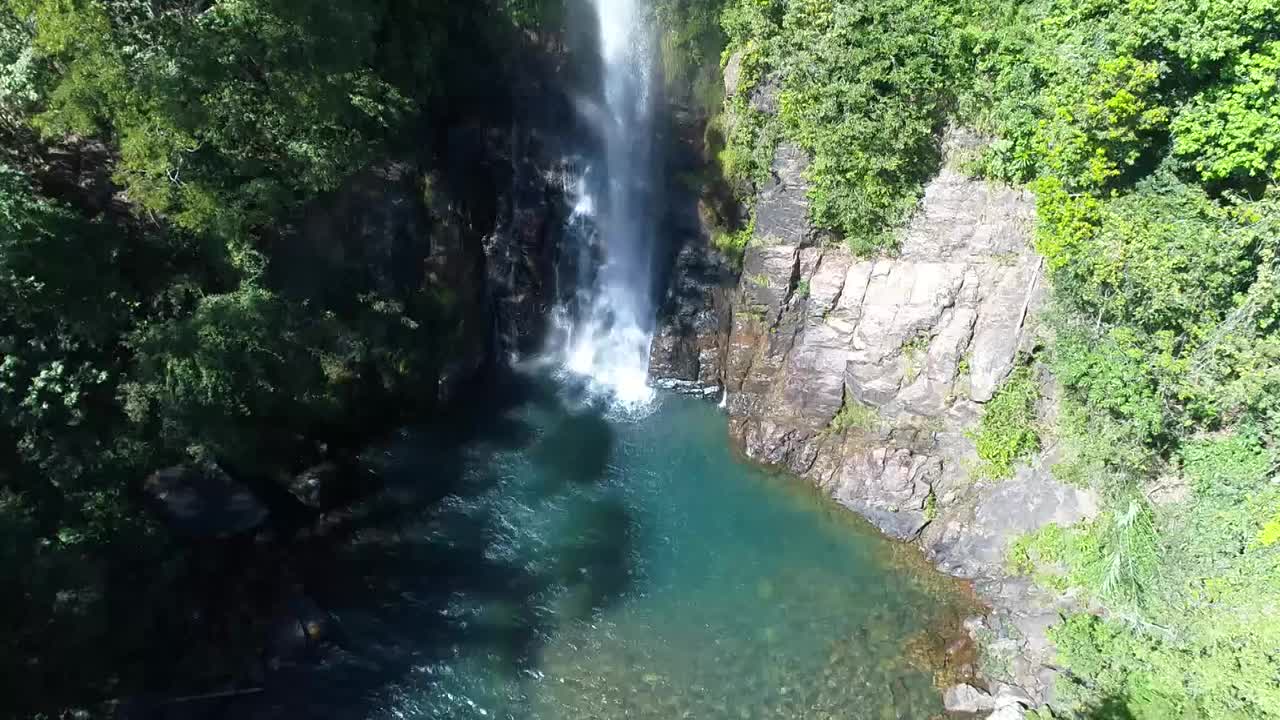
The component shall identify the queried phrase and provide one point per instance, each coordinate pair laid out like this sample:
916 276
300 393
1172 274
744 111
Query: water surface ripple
548 562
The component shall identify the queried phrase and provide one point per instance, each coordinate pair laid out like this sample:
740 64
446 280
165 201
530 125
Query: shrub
1233 465
853 415
863 88
1007 431
1229 130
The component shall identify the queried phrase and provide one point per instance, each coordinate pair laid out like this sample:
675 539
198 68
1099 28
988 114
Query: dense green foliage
158 163
862 86
150 325
1148 132
1008 429
691 41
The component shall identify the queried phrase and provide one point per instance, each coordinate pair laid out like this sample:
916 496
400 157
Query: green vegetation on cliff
1149 132
1008 430
862 86
691 40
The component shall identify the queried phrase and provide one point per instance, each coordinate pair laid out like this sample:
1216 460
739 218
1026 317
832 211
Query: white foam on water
616 363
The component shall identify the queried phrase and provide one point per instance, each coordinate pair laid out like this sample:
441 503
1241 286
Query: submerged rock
204 501
297 632
318 486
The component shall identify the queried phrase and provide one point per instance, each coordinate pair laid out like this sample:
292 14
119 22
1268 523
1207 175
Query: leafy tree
143 320
65 310
18 70
1146 131
862 87
1231 131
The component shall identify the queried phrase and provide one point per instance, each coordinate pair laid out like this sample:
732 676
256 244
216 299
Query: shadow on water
425 572
595 564
576 450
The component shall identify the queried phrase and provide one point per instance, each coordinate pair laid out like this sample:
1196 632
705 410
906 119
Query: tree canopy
157 160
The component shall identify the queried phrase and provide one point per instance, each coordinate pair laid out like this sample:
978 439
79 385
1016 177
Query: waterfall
607 341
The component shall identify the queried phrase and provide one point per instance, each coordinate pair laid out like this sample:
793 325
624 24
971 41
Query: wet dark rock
204 502
297 632
400 245
687 387
524 247
330 485
691 341
461 241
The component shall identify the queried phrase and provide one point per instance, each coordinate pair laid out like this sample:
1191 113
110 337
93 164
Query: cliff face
690 344
461 233
867 376
466 260
864 374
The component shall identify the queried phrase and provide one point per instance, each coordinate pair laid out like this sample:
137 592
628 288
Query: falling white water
608 340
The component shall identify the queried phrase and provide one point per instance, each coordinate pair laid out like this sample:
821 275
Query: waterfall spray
608 342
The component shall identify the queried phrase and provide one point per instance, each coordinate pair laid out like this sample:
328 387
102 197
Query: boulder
967 699
971 540
204 501
1007 695
1008 712
321 487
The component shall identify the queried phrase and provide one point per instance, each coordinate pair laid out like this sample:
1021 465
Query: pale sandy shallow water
580 566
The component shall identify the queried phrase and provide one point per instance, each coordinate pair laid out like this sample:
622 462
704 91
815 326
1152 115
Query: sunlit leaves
1232 131
862 87
1008 430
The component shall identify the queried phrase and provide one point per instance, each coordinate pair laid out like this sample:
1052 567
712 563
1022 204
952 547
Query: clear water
548 561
